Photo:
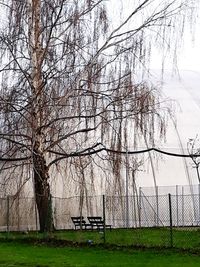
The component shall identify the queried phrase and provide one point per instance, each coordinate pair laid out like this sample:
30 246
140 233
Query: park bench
80 223
97 222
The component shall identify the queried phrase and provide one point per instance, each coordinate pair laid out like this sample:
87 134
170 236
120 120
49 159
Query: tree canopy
69 86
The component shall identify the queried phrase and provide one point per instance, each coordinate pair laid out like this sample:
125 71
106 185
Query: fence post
157 207
104 220
8 214
126 193
199 202
177 217
170 220
36 216
183 219
140 206
50 214
18 213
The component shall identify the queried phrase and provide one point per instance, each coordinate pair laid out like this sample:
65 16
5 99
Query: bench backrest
96 220
78 220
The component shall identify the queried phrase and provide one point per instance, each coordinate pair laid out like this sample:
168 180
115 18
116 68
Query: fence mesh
143 220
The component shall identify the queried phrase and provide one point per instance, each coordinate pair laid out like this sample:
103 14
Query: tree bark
42 191
40 169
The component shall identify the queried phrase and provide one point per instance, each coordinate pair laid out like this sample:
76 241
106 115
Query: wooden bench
80 223
97 222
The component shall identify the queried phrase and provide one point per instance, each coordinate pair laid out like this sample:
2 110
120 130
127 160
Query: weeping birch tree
69 85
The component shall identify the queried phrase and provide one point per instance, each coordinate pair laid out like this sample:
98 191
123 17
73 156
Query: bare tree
194 152
69 86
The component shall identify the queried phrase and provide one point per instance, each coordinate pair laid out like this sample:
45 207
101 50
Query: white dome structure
183 90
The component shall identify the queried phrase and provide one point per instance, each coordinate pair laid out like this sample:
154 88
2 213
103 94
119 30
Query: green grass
146 237
124 237
32 250
16 254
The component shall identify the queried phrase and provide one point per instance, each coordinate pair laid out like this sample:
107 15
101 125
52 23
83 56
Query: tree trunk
40 169
42 192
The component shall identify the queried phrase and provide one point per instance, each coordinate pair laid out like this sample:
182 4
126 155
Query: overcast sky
188 55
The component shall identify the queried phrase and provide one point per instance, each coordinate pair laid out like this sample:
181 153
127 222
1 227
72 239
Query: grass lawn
147 237
16 254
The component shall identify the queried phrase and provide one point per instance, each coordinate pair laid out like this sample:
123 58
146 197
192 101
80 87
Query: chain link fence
142 220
